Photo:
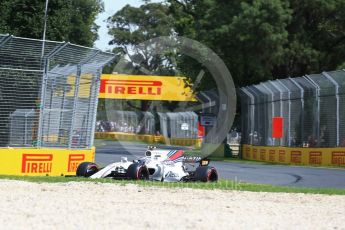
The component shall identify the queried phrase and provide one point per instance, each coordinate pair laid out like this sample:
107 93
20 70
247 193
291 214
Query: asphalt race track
108 152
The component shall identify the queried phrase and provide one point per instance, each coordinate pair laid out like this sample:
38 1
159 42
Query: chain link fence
125 121
171 125
48 93
179 125
312 108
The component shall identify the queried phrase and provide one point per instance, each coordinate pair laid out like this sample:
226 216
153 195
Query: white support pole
45 27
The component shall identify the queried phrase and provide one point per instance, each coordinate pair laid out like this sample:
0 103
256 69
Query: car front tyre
87 169
206 174
137 171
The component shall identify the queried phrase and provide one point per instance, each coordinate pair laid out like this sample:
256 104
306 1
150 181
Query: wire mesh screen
339 78
310 116
312 108
49 98
245 121
179 125
137 122
327 109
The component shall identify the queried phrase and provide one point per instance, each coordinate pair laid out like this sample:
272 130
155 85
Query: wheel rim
212 176
142 175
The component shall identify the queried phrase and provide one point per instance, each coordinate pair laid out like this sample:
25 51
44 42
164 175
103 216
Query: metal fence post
338 105
87 60
93 122
302 103
318 106
252 115
7 39
274 84
43 92
42 103
269 135
272 97
75 103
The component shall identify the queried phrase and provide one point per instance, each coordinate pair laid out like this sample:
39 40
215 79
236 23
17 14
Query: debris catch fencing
125 121
312 108
179 125
48 99
171 125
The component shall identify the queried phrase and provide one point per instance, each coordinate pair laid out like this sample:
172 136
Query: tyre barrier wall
125 136
296 156
151 139
42 162
185 142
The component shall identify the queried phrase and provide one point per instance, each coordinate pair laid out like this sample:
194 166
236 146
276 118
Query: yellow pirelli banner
296 156
42 162
142 87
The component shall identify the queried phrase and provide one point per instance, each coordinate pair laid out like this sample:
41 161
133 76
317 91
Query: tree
70 21
248 35
316 39
261 40
132 26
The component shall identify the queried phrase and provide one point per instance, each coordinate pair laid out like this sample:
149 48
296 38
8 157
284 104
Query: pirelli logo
271 155
296 157
145 87
255 153
338 158
247 152
73 161
315 158
263 154
37 163
282 154
131 87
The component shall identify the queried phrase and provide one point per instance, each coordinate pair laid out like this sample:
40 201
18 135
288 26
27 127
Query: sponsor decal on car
175 156
171 175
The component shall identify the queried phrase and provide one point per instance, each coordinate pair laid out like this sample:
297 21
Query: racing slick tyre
137 171
86 169
206 174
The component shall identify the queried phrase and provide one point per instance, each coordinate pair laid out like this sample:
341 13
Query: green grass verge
242 161
222 185
237 160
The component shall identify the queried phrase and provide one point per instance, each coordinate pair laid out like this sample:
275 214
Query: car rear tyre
87 169
137 171
206 174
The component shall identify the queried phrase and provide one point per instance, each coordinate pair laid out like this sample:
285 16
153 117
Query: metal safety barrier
312 108
49 98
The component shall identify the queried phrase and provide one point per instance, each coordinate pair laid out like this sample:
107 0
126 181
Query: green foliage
248 35
316 37
261 40
132 26
71 21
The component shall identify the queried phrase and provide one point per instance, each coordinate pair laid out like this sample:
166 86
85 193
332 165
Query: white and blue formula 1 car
158 165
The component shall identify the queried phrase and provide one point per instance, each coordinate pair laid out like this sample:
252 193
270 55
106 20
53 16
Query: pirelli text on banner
142 87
